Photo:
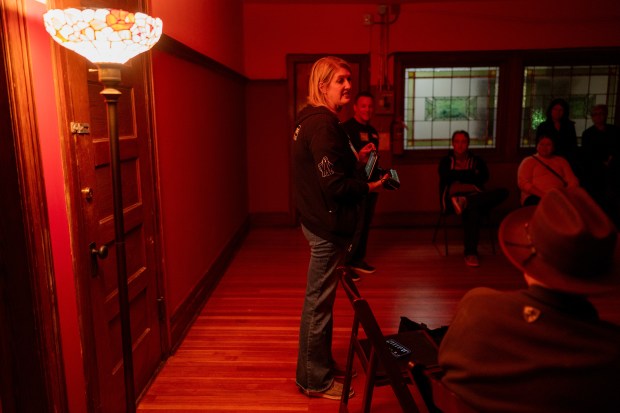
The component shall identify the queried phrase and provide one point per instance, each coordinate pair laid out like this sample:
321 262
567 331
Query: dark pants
602 183
479 204
360 241
531 200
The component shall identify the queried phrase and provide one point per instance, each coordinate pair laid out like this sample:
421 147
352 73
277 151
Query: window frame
511 65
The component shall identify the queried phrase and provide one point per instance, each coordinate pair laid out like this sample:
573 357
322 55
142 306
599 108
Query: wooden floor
240 354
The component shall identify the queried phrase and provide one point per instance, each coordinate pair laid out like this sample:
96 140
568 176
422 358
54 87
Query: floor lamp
109 38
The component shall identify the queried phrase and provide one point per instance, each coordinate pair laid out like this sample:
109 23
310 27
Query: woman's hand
377 186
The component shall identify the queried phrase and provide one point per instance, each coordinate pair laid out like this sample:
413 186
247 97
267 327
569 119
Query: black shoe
363 267
354 276
472 261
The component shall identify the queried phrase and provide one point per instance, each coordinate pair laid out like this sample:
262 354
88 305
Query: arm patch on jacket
326 167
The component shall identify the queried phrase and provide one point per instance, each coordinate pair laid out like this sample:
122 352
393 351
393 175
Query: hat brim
513 239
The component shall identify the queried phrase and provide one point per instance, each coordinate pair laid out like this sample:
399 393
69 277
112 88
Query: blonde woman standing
329 188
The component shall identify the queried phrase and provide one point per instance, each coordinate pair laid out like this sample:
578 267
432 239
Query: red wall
421 26
211 27
51 156
273 30
268 154
202 168
201 142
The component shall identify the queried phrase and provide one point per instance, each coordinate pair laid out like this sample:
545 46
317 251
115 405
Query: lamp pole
110 35
110 77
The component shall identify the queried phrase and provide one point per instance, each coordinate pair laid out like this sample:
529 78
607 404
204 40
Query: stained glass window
581 86
441 100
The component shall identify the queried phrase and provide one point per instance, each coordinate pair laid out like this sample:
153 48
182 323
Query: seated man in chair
462 176
543 349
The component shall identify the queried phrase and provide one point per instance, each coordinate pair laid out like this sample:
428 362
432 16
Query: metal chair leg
441 222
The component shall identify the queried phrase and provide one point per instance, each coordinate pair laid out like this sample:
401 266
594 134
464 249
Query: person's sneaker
363 267
334 392
354 276
459 203
472 261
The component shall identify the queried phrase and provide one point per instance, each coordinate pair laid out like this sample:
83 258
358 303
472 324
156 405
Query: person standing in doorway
329 188
361 133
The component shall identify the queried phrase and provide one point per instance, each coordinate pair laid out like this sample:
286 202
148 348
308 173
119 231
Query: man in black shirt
361 132
600 149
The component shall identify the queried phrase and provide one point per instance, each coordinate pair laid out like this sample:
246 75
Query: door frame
27 269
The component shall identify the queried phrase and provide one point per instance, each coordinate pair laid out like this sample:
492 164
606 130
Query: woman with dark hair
542 172
561 130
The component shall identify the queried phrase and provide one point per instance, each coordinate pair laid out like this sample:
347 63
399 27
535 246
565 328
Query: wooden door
92 222
138 211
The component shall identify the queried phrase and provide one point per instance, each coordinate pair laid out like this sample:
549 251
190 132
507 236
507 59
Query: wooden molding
180 50
184 316
29 263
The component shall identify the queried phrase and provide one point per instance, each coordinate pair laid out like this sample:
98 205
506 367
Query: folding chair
379 365
443 223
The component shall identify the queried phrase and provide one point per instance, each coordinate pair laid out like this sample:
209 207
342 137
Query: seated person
462 176
543 349
543 171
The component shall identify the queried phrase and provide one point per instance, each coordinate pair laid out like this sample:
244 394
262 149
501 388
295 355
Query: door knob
87 193
101 252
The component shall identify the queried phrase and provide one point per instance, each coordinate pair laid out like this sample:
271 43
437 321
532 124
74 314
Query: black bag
409 325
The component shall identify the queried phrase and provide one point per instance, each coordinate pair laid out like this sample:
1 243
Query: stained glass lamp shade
103 35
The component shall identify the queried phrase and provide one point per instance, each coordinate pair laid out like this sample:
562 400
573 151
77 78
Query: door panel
139 239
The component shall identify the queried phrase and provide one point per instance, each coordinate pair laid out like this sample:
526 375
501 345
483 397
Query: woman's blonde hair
322 73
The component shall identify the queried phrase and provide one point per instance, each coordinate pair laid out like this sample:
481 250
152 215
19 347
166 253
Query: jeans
314 361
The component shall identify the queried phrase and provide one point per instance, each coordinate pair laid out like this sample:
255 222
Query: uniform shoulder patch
326 167
530 314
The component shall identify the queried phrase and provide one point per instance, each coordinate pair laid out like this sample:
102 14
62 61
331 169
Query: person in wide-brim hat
566 243
543 348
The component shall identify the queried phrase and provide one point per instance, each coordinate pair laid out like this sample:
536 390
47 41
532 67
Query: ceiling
346 1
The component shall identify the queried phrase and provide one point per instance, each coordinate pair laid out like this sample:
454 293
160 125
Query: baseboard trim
183 318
